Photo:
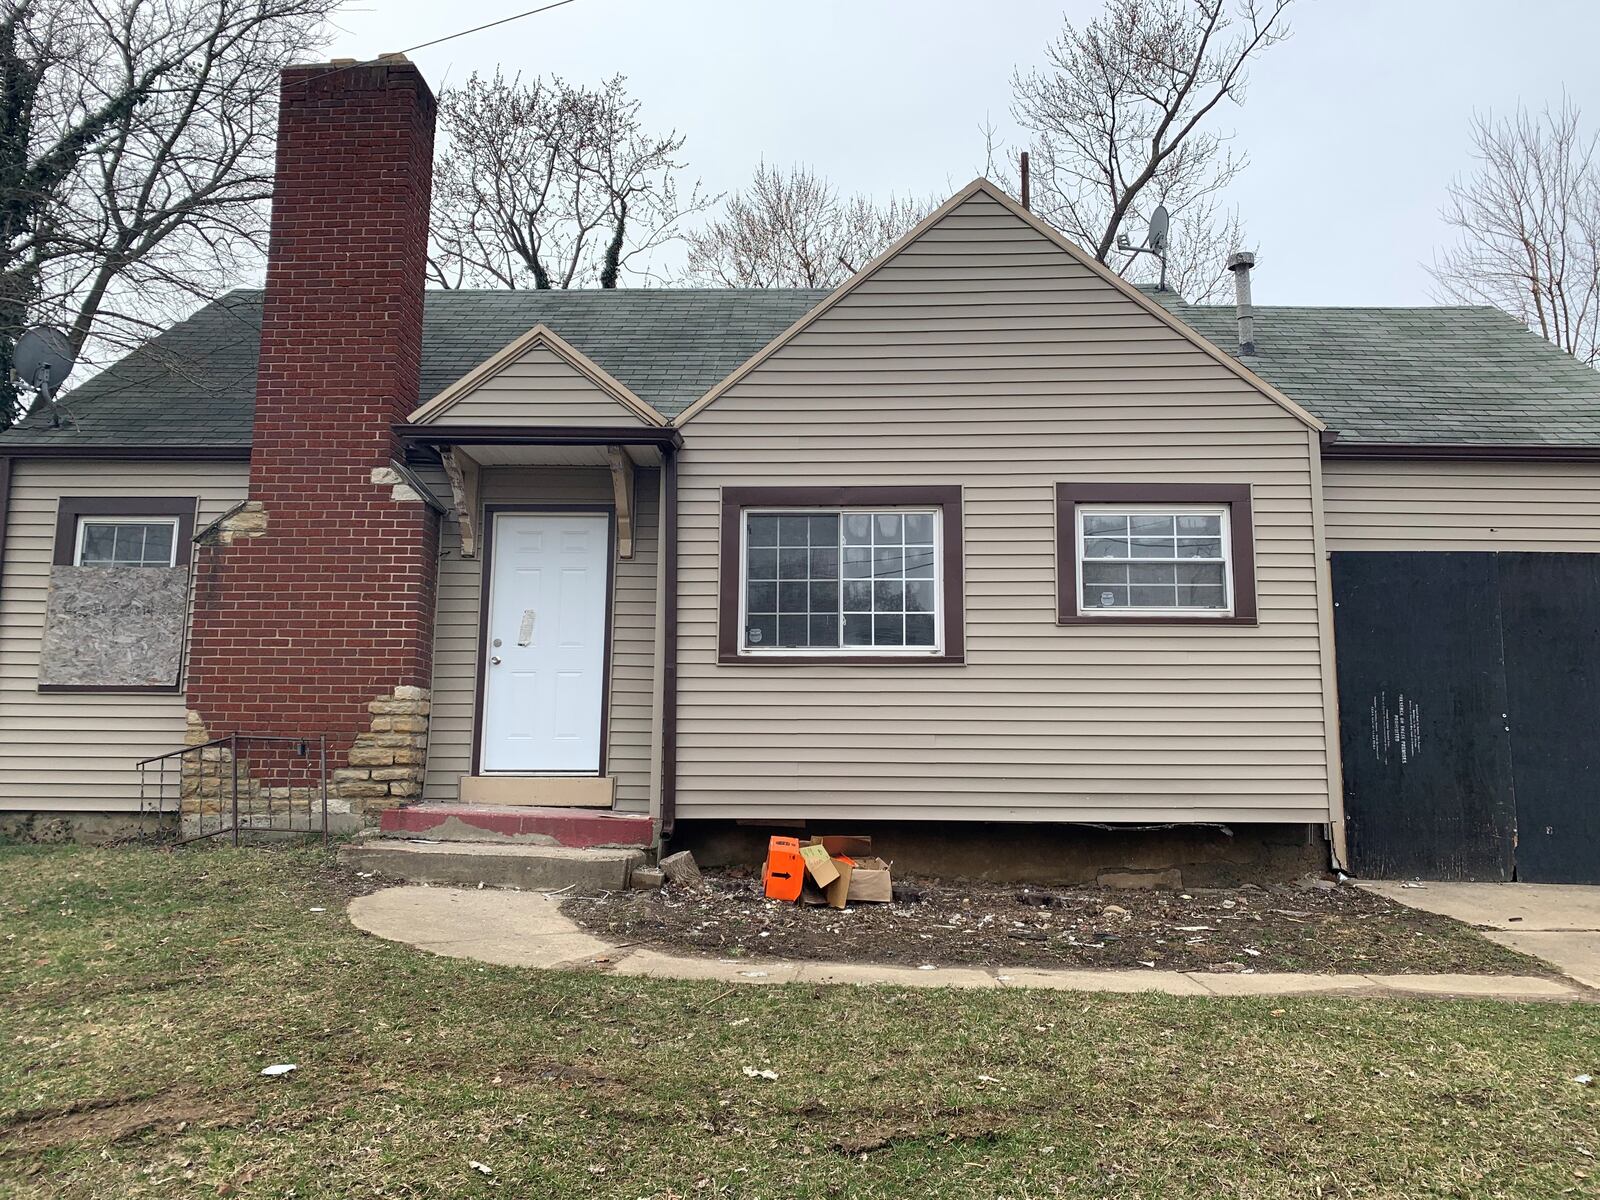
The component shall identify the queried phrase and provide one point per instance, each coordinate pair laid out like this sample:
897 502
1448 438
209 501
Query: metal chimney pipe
1025 182
1240 262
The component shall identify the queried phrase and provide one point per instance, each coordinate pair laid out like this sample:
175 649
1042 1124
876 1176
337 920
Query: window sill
841 660
1152 619
143 689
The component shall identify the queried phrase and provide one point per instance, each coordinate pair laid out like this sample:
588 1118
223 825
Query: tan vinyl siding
540 388
983 355
75 751
1435 505
455 654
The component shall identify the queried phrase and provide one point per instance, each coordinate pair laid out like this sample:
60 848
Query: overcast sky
1353 127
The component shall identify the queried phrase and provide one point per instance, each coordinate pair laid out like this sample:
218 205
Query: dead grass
142 991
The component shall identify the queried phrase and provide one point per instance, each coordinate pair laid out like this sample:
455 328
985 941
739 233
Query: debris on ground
758 1073
926 922
280 1069
680 869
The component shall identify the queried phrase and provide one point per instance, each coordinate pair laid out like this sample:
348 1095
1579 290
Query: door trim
485 586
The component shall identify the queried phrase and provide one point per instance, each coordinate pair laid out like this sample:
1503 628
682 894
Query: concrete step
579 828
495 864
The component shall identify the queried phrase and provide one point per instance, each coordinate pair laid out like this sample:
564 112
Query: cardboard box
869 881
839 889
819 865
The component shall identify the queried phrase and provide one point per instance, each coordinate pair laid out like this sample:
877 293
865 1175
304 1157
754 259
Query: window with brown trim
841 574
1160 553
132 531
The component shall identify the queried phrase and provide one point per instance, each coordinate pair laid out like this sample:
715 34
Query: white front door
544 678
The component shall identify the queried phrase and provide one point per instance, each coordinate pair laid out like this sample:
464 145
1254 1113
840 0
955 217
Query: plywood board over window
118 598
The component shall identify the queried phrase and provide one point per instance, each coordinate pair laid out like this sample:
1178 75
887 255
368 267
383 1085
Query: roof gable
545 372
984 189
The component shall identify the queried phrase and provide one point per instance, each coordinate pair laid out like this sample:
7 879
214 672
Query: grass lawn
142 991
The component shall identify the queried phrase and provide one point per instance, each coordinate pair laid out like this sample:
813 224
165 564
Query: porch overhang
567 445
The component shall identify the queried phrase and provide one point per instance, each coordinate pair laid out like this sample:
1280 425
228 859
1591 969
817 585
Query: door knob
495 660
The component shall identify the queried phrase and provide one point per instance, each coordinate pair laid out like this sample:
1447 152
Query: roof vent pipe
1240 262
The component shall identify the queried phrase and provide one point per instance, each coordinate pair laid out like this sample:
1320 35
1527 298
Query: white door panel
545 675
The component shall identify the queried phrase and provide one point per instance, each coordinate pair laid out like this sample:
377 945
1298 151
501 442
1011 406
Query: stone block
362 791
351 774
389 774
411 693
372 756
405 789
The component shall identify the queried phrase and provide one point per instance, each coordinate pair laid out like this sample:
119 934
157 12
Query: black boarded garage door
1469 700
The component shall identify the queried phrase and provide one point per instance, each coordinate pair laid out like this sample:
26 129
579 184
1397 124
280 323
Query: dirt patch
1309 926
114 1119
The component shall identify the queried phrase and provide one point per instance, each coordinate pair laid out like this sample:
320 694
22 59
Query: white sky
1354 126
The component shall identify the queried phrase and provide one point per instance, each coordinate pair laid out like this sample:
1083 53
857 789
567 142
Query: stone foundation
383 767
82 828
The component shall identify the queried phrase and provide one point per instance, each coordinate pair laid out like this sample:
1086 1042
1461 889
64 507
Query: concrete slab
1519 906
1557 922
517 929
1497 987
1278 983
1172 983
499 865
655 965
872 973
536 826
1577 954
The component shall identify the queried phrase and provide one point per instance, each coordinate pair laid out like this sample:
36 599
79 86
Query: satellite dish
43 358
1156 239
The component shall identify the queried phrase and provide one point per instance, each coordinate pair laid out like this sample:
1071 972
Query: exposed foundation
82 828
1076 855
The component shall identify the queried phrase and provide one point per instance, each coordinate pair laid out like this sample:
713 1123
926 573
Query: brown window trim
70 508
1241 545
945 497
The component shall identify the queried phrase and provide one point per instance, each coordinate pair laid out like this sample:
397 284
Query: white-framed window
1158 559
841 581
126 542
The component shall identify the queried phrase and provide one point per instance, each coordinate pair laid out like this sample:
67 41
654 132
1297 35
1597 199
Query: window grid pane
1173 561
126 544
840 580
792 580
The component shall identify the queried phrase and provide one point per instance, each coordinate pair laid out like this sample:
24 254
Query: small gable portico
548 655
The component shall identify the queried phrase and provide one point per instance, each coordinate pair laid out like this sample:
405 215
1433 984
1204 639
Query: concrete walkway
528 929
1559 923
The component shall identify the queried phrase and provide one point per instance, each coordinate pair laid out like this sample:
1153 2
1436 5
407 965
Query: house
984 543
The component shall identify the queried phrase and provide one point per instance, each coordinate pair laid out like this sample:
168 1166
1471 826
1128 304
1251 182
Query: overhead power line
450 37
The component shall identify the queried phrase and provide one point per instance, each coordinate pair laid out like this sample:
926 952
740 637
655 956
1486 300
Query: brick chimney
314 605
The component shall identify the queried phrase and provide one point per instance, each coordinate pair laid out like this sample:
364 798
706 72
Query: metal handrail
303 745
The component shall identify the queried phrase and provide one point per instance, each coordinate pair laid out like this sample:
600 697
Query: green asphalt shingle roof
195 384
1447 375
1442 375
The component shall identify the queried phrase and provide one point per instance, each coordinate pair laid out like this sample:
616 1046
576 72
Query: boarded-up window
117 611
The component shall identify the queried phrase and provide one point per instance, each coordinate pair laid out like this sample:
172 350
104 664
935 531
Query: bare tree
136 158
546 184
1119 123
1529 227
792 229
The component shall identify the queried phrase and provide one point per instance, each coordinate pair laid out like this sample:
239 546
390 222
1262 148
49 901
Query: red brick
297 630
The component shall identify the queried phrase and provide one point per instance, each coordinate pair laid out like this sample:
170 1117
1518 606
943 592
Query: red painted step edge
568 826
